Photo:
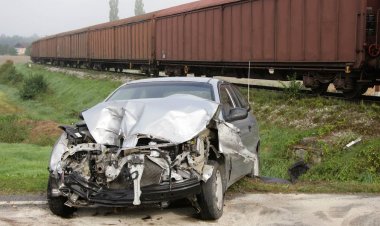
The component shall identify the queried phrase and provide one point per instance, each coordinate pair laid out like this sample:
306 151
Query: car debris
352 143
297 169
150 150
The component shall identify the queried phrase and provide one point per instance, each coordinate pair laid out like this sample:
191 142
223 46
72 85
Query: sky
47 17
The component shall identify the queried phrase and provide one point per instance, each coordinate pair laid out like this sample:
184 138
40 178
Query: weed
9 75
11 131
370 157
293 89
33 86
326 129
4 67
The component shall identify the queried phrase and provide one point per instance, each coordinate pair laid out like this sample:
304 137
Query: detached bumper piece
94 194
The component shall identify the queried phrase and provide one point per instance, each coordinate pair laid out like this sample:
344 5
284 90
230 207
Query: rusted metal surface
52 47
128 39
63 47
47 48
194 36
101 44
78 45
35 49
302 33
261 31
192 6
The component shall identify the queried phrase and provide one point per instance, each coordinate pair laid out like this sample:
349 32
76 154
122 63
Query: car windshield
161 90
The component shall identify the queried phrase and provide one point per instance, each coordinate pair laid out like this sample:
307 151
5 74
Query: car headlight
56 154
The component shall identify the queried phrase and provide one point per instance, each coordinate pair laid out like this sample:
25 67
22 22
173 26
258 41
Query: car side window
243 101
226 100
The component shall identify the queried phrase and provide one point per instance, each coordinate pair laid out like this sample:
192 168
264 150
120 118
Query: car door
238 166
253 138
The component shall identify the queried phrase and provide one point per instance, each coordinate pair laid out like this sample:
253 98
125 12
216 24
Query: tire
321 89
211 199
356 92
57 204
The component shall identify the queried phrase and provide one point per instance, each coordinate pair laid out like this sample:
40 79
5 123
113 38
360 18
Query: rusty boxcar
323 41
122 44
320 41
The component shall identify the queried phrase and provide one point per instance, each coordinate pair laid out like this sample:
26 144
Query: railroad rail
360 99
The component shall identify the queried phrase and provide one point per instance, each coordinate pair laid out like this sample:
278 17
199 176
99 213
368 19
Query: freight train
319 41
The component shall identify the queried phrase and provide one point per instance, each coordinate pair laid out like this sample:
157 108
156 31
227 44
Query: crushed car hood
176 119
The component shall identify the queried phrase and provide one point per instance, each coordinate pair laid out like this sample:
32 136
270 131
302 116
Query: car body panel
151 145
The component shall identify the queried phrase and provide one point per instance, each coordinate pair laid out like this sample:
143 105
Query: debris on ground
352 143
298 169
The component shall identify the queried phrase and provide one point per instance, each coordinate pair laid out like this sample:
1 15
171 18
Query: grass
322 127
67 95
23 168
65 98
6 107
275 143
28 129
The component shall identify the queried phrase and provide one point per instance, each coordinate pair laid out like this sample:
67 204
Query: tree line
114 9
7 43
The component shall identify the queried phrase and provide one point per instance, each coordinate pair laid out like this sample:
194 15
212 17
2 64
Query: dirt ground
249 209
15 59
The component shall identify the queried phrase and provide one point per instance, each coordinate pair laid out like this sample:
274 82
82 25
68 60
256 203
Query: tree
12 51
139 7
114 10
7 50
28 50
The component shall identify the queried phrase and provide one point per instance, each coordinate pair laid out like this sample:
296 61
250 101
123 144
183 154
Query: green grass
67 95
65 98
275 158
358 164
23 168
323 126
11 131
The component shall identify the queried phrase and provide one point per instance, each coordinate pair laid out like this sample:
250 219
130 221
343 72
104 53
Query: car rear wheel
57 204
211 199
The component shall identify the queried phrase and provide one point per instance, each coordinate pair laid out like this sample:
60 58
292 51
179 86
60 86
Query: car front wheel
57 204
211 199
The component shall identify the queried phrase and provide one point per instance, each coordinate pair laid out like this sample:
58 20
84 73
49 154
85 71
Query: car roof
177 79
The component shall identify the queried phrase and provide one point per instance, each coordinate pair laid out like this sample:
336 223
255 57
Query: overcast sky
46 17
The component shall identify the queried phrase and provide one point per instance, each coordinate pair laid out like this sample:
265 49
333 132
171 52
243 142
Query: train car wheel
356 92
321 89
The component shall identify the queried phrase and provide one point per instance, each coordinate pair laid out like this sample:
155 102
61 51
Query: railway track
363 98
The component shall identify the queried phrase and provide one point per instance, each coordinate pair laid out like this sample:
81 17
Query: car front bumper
92 194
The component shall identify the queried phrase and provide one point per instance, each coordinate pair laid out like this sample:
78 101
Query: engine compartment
151 162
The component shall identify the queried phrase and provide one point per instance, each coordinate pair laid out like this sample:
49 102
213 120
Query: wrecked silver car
153 141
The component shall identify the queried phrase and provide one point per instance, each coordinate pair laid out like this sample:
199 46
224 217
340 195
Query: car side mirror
237 114
81 114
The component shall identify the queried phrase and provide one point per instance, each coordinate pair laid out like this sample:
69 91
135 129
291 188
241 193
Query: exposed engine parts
133 168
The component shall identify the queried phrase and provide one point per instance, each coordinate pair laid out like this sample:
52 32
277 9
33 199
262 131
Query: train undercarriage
351 82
